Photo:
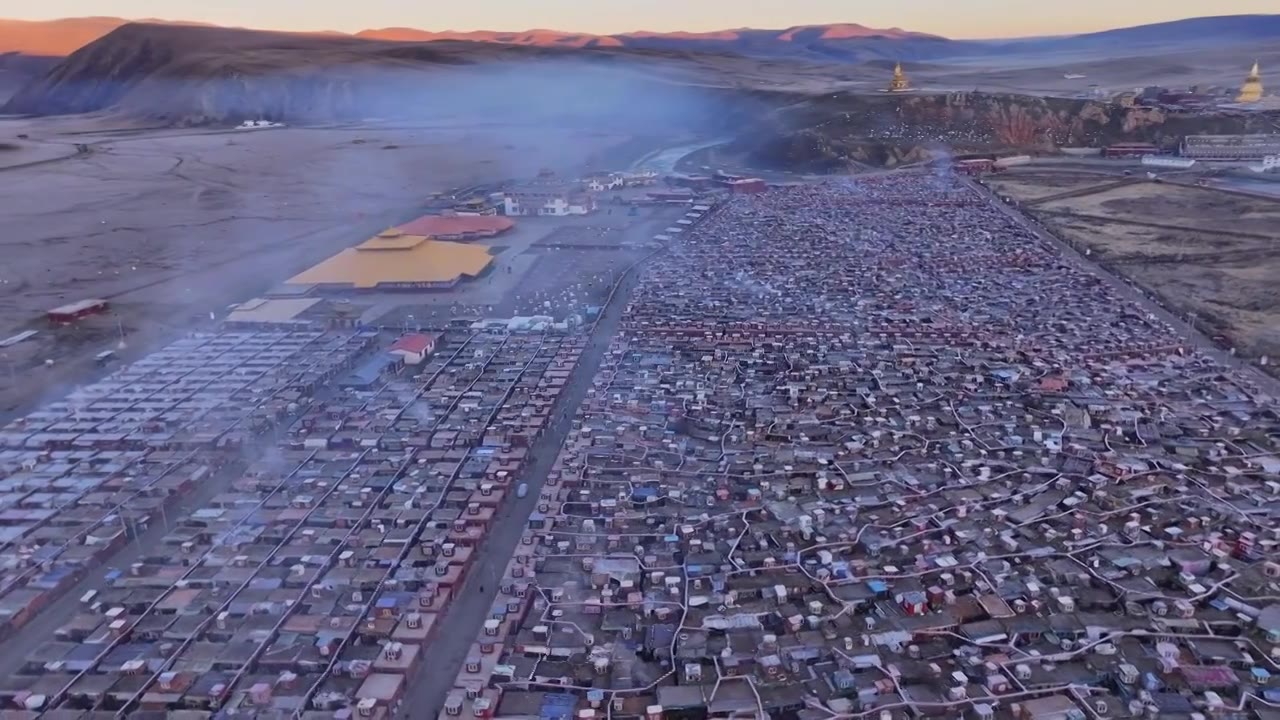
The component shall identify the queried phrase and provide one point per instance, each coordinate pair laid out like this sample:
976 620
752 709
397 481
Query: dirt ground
1176 205
170 226
1204 252
1027 187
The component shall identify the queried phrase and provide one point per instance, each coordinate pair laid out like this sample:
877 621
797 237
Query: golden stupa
899 83
1252 90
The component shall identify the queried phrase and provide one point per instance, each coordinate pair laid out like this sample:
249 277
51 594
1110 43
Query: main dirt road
494 554
474 599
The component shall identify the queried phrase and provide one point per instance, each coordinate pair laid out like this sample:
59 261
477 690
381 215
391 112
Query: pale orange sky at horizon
951 18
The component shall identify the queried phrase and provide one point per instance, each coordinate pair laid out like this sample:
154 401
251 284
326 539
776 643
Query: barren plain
170 226
1208 253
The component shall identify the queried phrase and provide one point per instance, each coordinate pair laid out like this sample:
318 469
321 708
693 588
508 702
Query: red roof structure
417 344
747 186
76 310
1123 150
1054 384
974 166
457 227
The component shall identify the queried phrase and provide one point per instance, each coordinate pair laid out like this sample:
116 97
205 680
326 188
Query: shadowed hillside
194 75
16 70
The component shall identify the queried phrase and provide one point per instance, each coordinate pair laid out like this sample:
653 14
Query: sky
951 18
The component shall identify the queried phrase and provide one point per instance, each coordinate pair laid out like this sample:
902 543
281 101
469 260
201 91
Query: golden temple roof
395 258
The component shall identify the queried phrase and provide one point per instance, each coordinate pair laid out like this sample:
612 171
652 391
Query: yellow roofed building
395 261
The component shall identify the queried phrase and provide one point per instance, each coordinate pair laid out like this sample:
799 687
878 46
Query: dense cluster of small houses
871 449
867 448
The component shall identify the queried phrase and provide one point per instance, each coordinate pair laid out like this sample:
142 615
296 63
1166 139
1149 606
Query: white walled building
548 204
1172 163
1013 161
1270 163
603 183
619 180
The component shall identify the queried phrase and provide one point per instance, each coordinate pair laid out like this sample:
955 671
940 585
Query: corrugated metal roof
274 310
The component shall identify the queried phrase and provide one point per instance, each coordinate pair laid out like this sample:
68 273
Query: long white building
1237 148
1164 161
548 203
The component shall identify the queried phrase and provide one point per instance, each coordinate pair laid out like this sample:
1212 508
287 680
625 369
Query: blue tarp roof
369 371
557 706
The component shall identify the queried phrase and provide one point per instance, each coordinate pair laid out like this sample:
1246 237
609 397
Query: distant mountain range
59 38
847 42
743 41
189 73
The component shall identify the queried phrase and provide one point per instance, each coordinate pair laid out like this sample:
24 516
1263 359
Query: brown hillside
830 131
54 38
202 73
193 75
537 38
62 37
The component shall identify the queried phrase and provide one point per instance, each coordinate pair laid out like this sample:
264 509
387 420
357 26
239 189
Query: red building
414 348
747 186
76 310
458 227
1130 150
978 166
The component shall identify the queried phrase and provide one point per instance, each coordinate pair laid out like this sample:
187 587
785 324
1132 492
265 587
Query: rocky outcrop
834 130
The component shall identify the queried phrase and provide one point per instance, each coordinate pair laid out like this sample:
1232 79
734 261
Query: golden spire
1251 91
900 81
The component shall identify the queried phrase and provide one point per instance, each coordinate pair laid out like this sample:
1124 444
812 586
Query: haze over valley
807 372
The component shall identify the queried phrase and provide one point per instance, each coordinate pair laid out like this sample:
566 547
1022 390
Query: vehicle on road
522 490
